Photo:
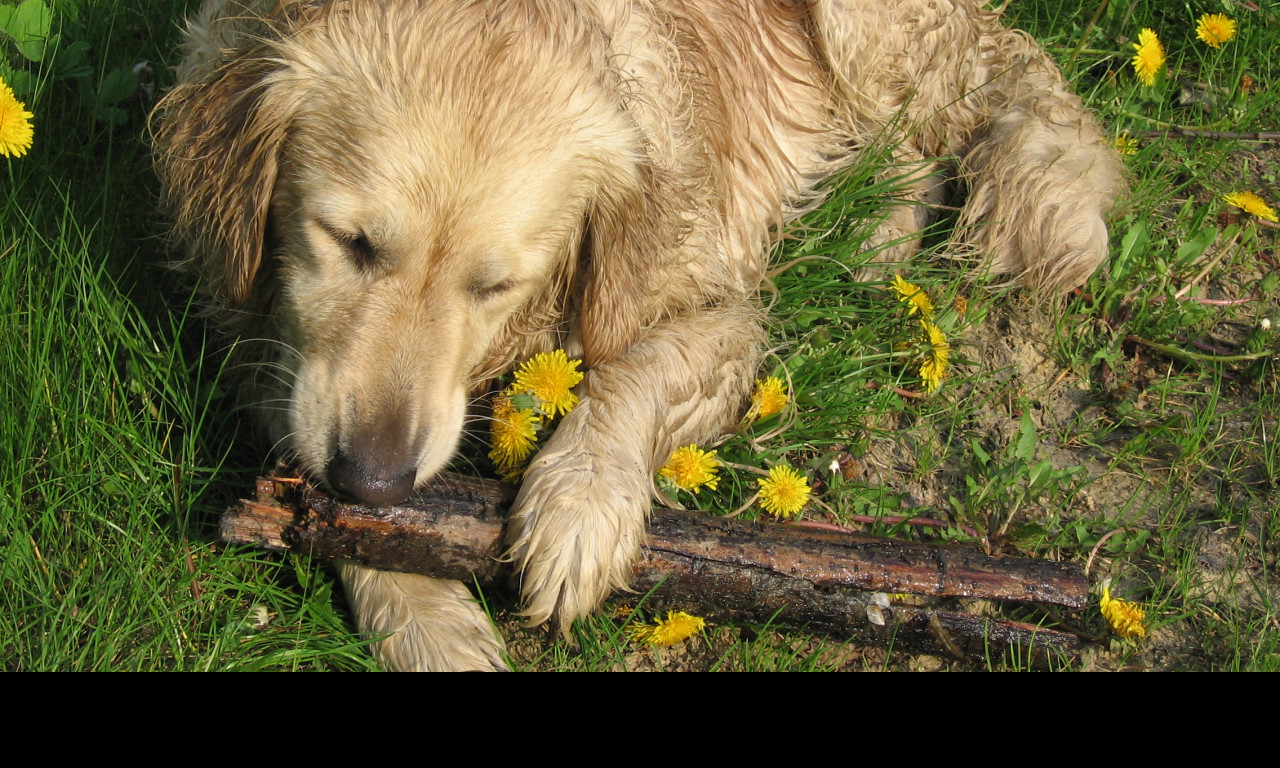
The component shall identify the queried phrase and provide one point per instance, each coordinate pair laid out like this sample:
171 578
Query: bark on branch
725 570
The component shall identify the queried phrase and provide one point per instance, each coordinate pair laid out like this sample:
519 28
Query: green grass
1134 422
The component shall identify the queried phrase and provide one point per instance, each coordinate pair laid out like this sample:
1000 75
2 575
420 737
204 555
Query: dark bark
725 570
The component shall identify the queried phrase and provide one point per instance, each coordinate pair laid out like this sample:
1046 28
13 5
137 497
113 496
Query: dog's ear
218 149
633 234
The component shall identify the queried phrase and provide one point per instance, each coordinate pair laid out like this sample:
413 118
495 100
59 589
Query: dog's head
402 190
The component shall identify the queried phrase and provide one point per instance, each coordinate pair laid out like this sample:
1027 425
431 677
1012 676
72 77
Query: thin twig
1213 262
745 467
1089 563
1183 354
1184 132
923 522
898 390
1208 302
744 507
1203 346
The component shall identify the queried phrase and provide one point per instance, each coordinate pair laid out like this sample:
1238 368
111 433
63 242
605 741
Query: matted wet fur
406 197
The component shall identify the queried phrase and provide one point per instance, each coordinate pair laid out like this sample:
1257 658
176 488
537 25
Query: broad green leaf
1134 241
70 60
1026 449
1192 248
22 83
28 24
1040 475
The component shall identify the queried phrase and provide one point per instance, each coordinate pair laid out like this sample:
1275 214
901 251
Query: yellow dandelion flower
1126 144
936 361
913 295
1214 29
784 492
769 398
513 433
1251 203
15 124
1149 59
1126 618
677 627
551 378
691 468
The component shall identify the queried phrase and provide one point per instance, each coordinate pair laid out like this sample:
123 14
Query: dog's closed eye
482 290
356 245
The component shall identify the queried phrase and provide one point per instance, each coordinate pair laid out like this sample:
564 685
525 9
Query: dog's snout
379 464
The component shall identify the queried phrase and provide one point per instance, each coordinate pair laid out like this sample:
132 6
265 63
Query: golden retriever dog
408 197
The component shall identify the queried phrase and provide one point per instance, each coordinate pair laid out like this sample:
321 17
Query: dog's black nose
376 483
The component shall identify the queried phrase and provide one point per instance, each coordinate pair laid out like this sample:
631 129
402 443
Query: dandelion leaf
1026 447
1134 242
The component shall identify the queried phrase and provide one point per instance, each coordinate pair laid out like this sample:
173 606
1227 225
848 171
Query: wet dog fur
408 197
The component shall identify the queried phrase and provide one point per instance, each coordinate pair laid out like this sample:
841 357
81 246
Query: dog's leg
579 520
433 625
957 83
917 187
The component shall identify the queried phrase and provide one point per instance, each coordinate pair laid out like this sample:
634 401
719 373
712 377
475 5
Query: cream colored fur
407 197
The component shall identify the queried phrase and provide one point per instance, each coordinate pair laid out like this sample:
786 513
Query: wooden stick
726 570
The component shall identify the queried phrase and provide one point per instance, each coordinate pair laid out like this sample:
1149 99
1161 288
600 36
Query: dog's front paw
577 525
432 625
